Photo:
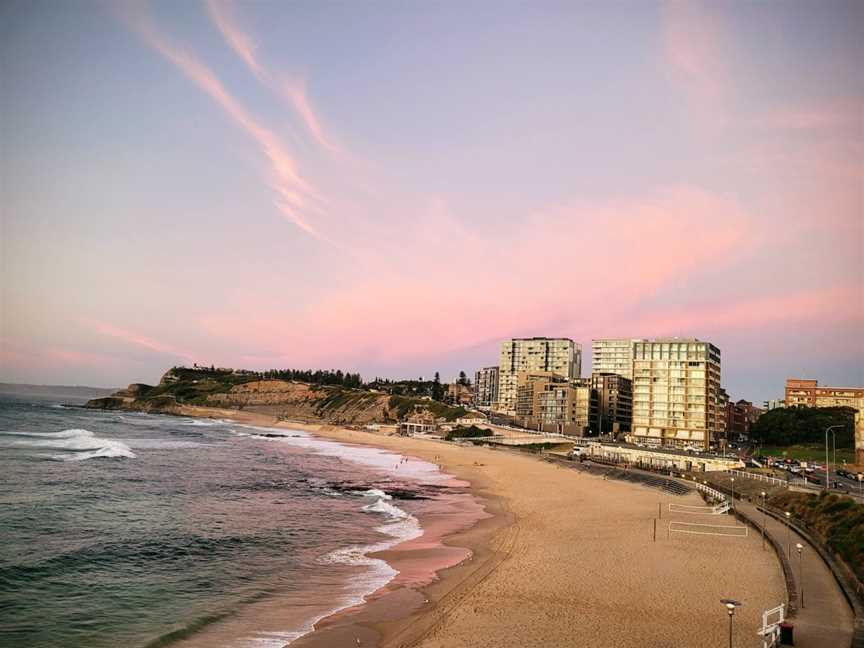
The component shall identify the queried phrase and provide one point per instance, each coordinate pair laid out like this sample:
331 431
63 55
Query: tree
463 379
437 388
803 425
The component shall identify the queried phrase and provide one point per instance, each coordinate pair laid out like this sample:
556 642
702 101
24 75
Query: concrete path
825 619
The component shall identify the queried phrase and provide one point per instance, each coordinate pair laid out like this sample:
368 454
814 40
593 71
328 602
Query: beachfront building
520 355
773 403
547 402
528 387
613 356
810 394
611 403
676 388
486 387
418 422
722 421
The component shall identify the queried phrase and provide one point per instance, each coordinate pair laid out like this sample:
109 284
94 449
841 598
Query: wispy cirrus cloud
296 196
293 90
695 54
137 339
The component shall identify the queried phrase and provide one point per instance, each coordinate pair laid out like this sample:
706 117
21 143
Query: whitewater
145 530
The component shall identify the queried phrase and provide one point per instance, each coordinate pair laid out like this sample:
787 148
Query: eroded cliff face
278 398
301 401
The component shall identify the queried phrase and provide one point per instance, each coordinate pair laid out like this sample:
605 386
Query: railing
758 477
712 493
770 630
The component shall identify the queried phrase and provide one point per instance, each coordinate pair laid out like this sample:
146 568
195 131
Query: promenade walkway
825 618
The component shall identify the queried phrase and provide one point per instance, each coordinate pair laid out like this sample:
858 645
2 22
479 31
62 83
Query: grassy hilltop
275 396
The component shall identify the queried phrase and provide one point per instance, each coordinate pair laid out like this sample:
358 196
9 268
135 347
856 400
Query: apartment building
809 393
740 417
486 387
613 356
676 388
723 414
611 403
548 402
520 355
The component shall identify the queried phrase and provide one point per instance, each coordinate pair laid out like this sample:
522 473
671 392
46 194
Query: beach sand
565 559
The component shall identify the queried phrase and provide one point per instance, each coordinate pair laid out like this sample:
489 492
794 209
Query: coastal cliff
228 389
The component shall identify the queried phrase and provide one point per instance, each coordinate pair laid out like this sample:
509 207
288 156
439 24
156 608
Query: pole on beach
788 535
659 510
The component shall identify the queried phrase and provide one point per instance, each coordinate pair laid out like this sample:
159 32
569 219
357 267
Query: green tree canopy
804 425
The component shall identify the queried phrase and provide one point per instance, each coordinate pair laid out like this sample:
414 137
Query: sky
396 187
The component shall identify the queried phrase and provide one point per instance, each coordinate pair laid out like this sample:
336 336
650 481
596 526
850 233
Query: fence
759 477
712 493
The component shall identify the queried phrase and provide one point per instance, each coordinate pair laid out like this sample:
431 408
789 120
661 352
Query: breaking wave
76 444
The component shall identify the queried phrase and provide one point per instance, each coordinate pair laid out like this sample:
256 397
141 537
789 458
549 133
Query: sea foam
78 444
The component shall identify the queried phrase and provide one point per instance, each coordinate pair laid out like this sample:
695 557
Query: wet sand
564 559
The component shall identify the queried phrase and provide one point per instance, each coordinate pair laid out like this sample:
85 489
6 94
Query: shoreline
562 552
434 563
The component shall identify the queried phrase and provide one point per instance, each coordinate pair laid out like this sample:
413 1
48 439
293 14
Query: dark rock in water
396 492
104 403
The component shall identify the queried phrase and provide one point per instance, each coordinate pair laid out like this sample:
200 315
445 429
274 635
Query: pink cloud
695 54
293 90
816 116
28 357
827 306
445 288
222 14
143 341
285 176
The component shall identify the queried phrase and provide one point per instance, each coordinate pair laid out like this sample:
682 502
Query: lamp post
800 548
730 610
788 535
733 495
827 465
763 520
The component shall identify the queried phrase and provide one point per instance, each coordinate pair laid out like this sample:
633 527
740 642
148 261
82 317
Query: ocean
140 530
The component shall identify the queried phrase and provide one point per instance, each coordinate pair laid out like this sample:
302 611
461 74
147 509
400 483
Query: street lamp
788 535
827 465
730 609
763 520
733 494
800 548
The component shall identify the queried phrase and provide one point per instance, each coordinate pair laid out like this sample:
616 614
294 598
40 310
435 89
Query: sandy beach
564 558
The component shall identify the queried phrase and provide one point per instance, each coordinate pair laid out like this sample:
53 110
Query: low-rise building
549 402
420 422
